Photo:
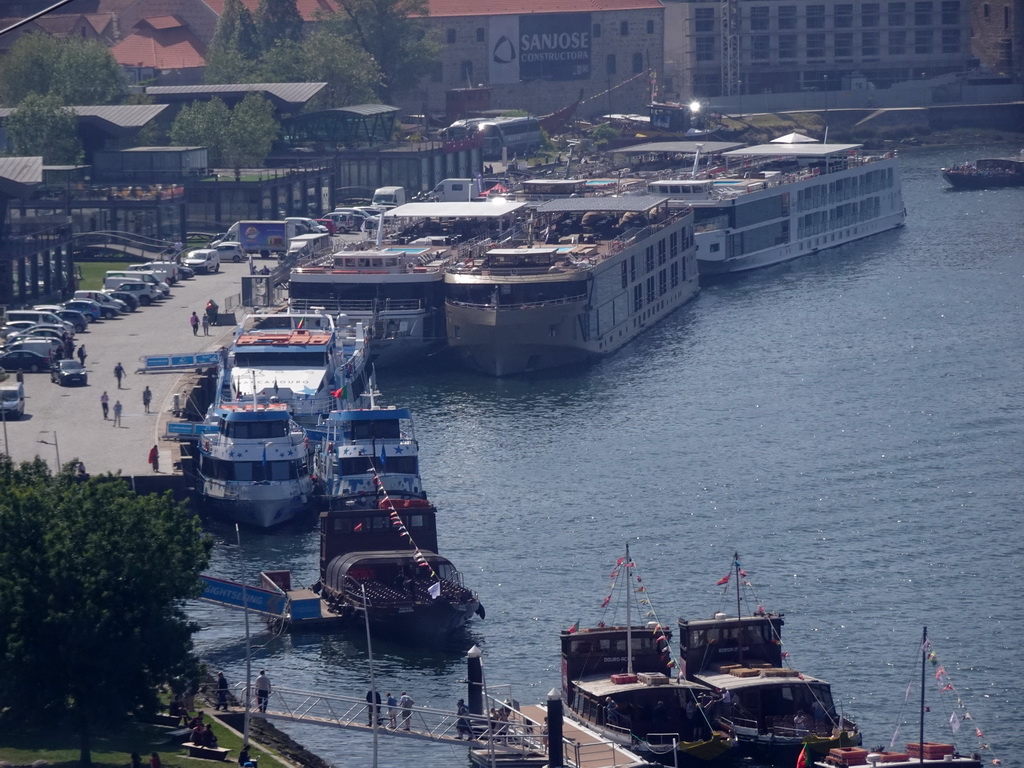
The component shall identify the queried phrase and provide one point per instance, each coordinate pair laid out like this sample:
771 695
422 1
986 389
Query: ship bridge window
368 430
249 471
315 358
254 430
360 465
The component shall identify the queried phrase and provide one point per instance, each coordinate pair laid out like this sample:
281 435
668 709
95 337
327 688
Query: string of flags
396 522
959 715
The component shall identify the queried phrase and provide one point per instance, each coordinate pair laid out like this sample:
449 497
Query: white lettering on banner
557 56
561 40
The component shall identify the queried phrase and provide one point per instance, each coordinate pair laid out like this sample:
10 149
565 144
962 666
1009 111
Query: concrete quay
70 419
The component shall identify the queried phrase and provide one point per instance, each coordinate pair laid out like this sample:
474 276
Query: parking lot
70 419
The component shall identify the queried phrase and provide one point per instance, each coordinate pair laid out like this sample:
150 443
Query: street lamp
54 444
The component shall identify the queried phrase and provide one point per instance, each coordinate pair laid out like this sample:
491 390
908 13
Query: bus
517 135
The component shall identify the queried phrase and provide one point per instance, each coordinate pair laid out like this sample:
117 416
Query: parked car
38 332
184 273
331 228
203 260
129 299
16 326
68 372
24 360
87 307
43 345
144 292
12 399
109 306
229 250
78 321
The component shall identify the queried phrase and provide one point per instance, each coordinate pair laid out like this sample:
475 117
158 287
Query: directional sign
239 595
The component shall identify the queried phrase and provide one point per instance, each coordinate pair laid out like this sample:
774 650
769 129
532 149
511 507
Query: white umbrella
794 138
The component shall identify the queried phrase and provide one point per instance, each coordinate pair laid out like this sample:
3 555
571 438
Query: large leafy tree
395 36
94 578
234 137
276 21
351 74
42 126
74 71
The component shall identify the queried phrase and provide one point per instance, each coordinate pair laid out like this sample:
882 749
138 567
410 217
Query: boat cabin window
250 471
254 430
376 523
290 356
360 465
376 428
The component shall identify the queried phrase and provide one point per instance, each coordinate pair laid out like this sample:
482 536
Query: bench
208 753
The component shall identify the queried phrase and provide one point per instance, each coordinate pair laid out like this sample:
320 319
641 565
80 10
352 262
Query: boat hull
260 506
980 181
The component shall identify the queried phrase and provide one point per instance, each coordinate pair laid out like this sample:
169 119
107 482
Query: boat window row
753 240
821 195
296 358
749 213
839 217
757 634
251 471
396 465
641 641
379 522
254 430
379 292
373 429
516 294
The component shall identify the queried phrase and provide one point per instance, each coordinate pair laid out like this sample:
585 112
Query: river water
850 423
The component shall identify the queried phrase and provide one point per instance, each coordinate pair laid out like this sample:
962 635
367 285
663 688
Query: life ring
616 246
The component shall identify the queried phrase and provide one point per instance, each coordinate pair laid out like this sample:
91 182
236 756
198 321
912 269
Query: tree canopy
94 578
74 71
42 126
237 137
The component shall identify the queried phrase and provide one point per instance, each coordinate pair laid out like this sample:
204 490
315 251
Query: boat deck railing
361 306
519 305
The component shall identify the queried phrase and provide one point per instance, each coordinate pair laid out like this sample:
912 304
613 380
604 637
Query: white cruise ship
771 203
396 291
577 281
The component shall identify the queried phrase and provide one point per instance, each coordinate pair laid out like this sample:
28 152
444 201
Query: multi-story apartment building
734 47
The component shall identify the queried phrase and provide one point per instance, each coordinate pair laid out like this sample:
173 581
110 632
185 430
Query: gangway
584 748
175 363
140 246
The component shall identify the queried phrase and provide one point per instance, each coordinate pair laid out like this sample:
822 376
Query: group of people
210 315
395 706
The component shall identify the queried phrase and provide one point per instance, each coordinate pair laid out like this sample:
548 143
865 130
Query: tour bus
516 135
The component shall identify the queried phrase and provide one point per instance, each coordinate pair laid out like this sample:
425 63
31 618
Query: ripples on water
851 423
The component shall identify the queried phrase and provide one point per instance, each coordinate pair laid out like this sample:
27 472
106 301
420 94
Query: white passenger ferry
578 280
774 202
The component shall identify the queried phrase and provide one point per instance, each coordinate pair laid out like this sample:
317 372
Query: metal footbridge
520 732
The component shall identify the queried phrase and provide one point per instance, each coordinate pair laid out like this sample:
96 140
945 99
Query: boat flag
435 590
724 579
302 322
264 454
338 393
801 761
359 527
574 628
954 722
383 457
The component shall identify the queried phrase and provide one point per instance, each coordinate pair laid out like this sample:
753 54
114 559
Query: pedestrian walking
406 703
222 692
262 690
154 458
81 354
392 711
206 325
117 413
194 322
372 706
119 373
462 724
147 398
105 404
252 265
211 311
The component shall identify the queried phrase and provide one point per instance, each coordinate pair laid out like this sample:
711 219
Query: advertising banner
554 46
503 63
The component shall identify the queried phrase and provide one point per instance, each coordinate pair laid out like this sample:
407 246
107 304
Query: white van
146 293
388 197
162 288
12 399
203 260
38 316
40 345
166 273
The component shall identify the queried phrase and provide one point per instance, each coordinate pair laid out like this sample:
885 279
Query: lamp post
248 655
44 442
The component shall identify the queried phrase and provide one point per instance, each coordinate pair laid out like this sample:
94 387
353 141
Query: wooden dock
583 748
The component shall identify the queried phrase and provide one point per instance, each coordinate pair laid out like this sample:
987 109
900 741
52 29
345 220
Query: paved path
74 412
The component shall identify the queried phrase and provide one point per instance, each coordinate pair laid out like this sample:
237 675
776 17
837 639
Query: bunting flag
954 722
302 322
724 579
574 628
435 590
359 527
801 760
338 393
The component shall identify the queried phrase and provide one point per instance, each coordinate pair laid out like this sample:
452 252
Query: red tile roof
163 22
174 48
442 8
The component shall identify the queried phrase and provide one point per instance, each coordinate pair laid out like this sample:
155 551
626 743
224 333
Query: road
72 418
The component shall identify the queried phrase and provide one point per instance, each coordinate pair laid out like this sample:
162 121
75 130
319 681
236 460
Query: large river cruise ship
577 280
774 202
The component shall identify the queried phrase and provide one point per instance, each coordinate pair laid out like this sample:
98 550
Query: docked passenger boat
622 682
579 280
987 172
309 361
770 203
254 468
379 535
772 711
920 753
396 291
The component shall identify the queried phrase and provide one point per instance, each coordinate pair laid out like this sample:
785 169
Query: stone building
997 35
540 56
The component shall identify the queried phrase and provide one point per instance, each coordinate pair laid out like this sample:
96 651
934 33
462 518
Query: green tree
351 74
251 132
42 126
394 35
75 71
202 124
278 20
94 578
236 30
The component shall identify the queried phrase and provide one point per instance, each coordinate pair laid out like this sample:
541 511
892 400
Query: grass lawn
92 272
59 747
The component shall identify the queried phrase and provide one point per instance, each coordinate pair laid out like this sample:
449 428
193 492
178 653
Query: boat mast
629 618
739 615
924 656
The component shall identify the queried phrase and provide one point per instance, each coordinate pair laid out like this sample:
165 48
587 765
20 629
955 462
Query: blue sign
239 596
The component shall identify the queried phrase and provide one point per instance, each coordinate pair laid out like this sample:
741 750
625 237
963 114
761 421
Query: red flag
574 628
801 761
359 527
302 322
724 579
338 392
